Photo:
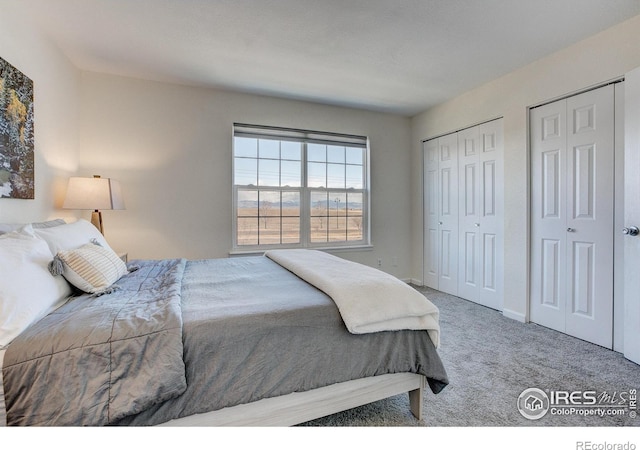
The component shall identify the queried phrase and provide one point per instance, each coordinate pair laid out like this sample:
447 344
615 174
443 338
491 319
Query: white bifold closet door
481 216
572 215
464 213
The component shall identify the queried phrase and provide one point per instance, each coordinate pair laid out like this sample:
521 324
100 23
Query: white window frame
305 137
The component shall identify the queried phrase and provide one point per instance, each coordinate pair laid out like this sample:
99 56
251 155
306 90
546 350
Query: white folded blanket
368 299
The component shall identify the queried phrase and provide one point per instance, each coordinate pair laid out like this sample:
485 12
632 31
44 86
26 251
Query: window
296 188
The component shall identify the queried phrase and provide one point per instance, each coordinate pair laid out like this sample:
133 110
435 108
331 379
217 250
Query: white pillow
8 227
28 291
91 268
70 236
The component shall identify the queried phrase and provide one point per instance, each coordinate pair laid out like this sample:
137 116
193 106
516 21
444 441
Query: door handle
476 224
571 230
630 231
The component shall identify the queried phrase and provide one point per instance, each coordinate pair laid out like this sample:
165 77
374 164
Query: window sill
338 249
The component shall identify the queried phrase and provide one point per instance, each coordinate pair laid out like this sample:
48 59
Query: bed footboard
301 407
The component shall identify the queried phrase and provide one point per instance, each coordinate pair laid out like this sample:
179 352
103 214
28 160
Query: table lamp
93 193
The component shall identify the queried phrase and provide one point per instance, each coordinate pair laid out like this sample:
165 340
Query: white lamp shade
93 193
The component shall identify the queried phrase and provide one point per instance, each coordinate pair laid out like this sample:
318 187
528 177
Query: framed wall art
16 133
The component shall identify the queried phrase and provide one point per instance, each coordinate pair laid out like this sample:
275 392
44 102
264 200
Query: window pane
354 177
316 175
319 203
290 217
354 203
269 203
319 216
290 230
245 171
290 173
319 230
270 234
335 154
247 147
268 148
354 228
338 202
291 150
338 228
355 216
355 155
247 233
337 217
316 152
336 176
247 203
291 204
268 172
269 215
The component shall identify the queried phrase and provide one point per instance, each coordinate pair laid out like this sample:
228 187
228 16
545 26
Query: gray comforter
251 330
98 359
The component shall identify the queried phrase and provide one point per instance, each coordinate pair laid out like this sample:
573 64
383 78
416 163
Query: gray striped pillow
92 268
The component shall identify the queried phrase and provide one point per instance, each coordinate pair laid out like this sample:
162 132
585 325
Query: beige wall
56 87
170 148
603 57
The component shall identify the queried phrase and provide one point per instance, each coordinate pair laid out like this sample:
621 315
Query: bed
261 340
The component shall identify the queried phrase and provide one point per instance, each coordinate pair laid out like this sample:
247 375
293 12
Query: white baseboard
514 315
505 312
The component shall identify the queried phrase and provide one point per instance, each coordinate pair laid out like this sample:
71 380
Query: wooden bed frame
301 407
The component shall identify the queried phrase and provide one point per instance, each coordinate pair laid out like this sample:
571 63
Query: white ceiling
399 56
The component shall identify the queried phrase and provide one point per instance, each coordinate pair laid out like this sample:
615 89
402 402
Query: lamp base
96 220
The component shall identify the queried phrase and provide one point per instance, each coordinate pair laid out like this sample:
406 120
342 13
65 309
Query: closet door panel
448 213
469 203
431 214
590 178
548 218
491 214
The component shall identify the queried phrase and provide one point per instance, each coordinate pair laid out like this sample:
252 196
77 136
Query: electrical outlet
379 262
394 261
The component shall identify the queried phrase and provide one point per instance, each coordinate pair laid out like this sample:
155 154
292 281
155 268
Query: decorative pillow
91 268
28 292
71 235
